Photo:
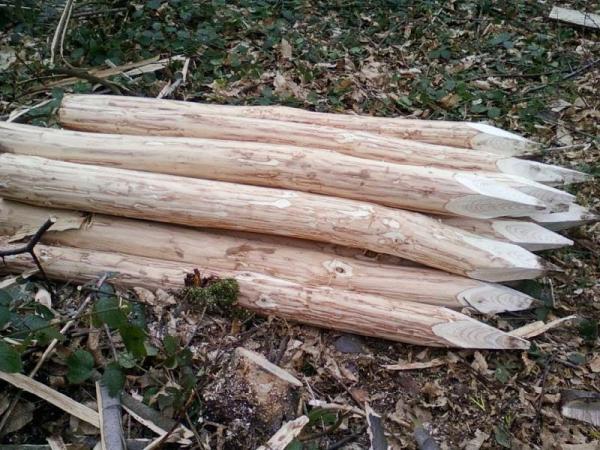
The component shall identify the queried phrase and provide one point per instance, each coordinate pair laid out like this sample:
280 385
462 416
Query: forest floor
501 62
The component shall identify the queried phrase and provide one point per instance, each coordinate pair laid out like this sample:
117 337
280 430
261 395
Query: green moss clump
219 296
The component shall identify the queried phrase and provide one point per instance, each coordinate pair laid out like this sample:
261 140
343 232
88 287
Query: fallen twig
57 399
109 409
29 248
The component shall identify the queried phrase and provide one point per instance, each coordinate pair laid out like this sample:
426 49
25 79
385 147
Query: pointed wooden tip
542 173
491 199
500 142
529 235
465 332
555 199
576 216
507 261
492 298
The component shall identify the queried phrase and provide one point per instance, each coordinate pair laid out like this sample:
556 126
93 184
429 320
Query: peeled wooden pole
304 262
303 169
326 307
136 115
455 134
526 234
215 204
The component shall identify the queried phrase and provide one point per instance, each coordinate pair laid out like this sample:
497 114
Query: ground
502 62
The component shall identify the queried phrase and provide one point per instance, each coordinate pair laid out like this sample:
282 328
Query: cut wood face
576 216
528 235
502 142
542 173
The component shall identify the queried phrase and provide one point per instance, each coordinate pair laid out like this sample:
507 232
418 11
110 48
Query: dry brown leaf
595 364
20 416
286 49
477 441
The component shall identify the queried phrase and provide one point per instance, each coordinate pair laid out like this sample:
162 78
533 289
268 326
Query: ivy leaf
81 366
501 374
170 344
133 338
127 360
107 310
502 436
588 329
294 445
113 378
10 359
4 316
5 298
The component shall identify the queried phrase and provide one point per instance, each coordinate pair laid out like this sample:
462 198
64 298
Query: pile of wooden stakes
320 217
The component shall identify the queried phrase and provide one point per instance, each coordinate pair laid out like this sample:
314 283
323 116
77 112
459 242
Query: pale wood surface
135 115
304 169
214 204
49 395
286 434
526 234
585 19
456 134
575 216
305 262
319 306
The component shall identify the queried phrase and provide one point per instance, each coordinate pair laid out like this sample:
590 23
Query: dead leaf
595 364
477 441
43 297
479 363
8 55
20 416
145 296
286 49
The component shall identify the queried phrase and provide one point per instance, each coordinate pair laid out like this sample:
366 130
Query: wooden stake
214 204
303 169
576 216
528 235
305 262
456 134
319 306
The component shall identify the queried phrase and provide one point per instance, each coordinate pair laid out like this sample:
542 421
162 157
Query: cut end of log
494 199
469 333
542 173
500 142
529 235
495 299
511 261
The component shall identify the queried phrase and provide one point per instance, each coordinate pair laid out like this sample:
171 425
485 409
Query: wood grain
319 306
215 204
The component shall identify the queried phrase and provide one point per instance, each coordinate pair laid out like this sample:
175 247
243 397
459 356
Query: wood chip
416 365
536 328
286 434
